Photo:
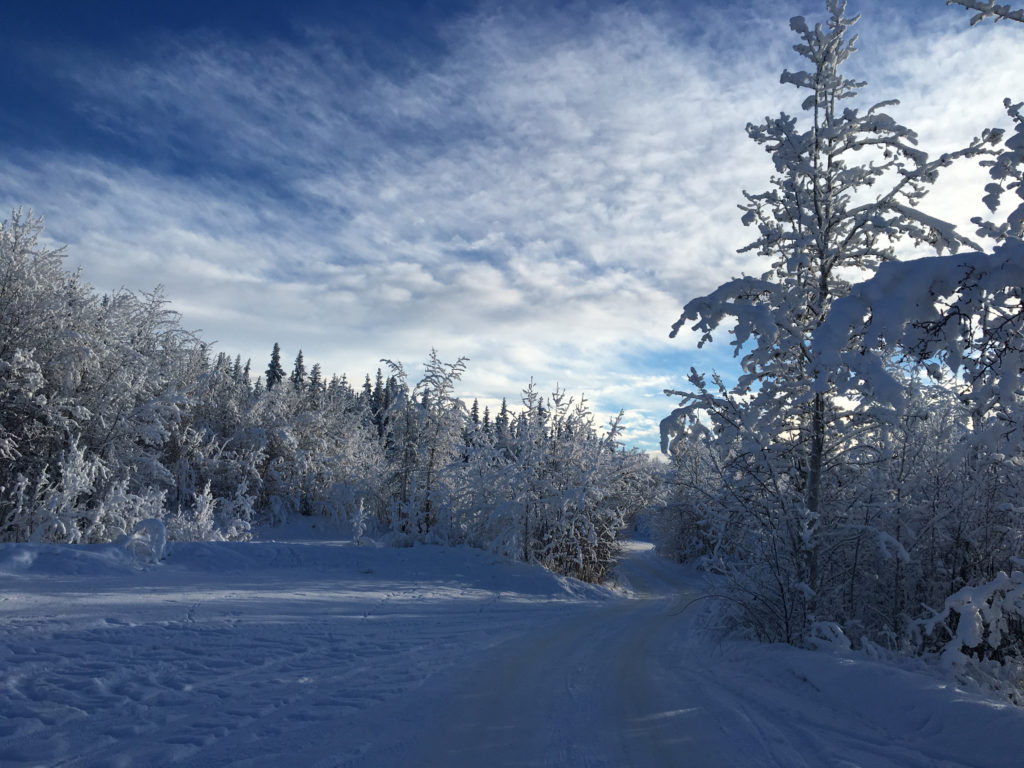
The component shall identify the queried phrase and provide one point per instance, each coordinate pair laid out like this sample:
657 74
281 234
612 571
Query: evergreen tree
316 384
275 373
501 421
334 389
377 401
367 394
298 377
541 415
316 381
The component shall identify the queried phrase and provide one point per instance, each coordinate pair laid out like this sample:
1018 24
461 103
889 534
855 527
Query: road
641 683
591 690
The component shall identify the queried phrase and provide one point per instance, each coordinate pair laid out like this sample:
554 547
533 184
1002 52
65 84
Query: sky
537 186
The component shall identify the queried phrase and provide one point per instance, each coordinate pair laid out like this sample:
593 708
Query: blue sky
537 186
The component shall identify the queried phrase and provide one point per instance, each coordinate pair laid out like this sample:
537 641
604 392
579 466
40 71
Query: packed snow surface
321 653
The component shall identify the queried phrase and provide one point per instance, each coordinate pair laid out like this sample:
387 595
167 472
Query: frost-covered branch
989 9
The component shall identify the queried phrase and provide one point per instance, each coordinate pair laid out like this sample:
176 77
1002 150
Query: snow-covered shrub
147 542
211 519
196 522
551 489
120 511
56 509
359 523
683 526
979 632
234 516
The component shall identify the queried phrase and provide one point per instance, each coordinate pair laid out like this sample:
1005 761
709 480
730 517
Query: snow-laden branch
927 307
989 10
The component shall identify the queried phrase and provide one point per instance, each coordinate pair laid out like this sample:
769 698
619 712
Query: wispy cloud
543 197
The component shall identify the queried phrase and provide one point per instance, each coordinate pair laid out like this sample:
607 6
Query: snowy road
588 691
639 683
327 655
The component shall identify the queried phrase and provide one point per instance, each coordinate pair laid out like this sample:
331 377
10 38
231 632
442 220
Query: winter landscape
316 652
283 539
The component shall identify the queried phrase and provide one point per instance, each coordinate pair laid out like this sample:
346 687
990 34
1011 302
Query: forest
859 486
112 414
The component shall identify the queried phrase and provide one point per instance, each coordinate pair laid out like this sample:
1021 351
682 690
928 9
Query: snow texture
321 653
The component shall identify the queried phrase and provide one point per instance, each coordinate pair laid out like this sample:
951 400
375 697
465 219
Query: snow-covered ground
319 653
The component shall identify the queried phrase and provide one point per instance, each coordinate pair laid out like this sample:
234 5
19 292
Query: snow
312 651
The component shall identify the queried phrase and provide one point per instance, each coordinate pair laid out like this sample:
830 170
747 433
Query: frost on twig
989 10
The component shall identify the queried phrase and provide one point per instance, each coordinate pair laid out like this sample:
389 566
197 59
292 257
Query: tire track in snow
592 689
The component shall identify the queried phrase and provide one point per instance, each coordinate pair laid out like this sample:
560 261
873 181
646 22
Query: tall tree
298 377
845 188
316 382
275 372
501 421
366 395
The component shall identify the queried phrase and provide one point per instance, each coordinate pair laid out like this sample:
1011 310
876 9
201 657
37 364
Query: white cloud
542 199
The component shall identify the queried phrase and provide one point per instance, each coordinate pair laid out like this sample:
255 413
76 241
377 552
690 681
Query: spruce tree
298 377
316 382
275 373
502 420
377 402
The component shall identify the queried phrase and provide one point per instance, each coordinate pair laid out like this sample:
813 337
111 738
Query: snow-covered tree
316 384
94 402
298 375
960 318
115 422
846 187
275 372
422 429
554 490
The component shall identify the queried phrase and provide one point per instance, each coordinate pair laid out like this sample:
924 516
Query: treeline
112 413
